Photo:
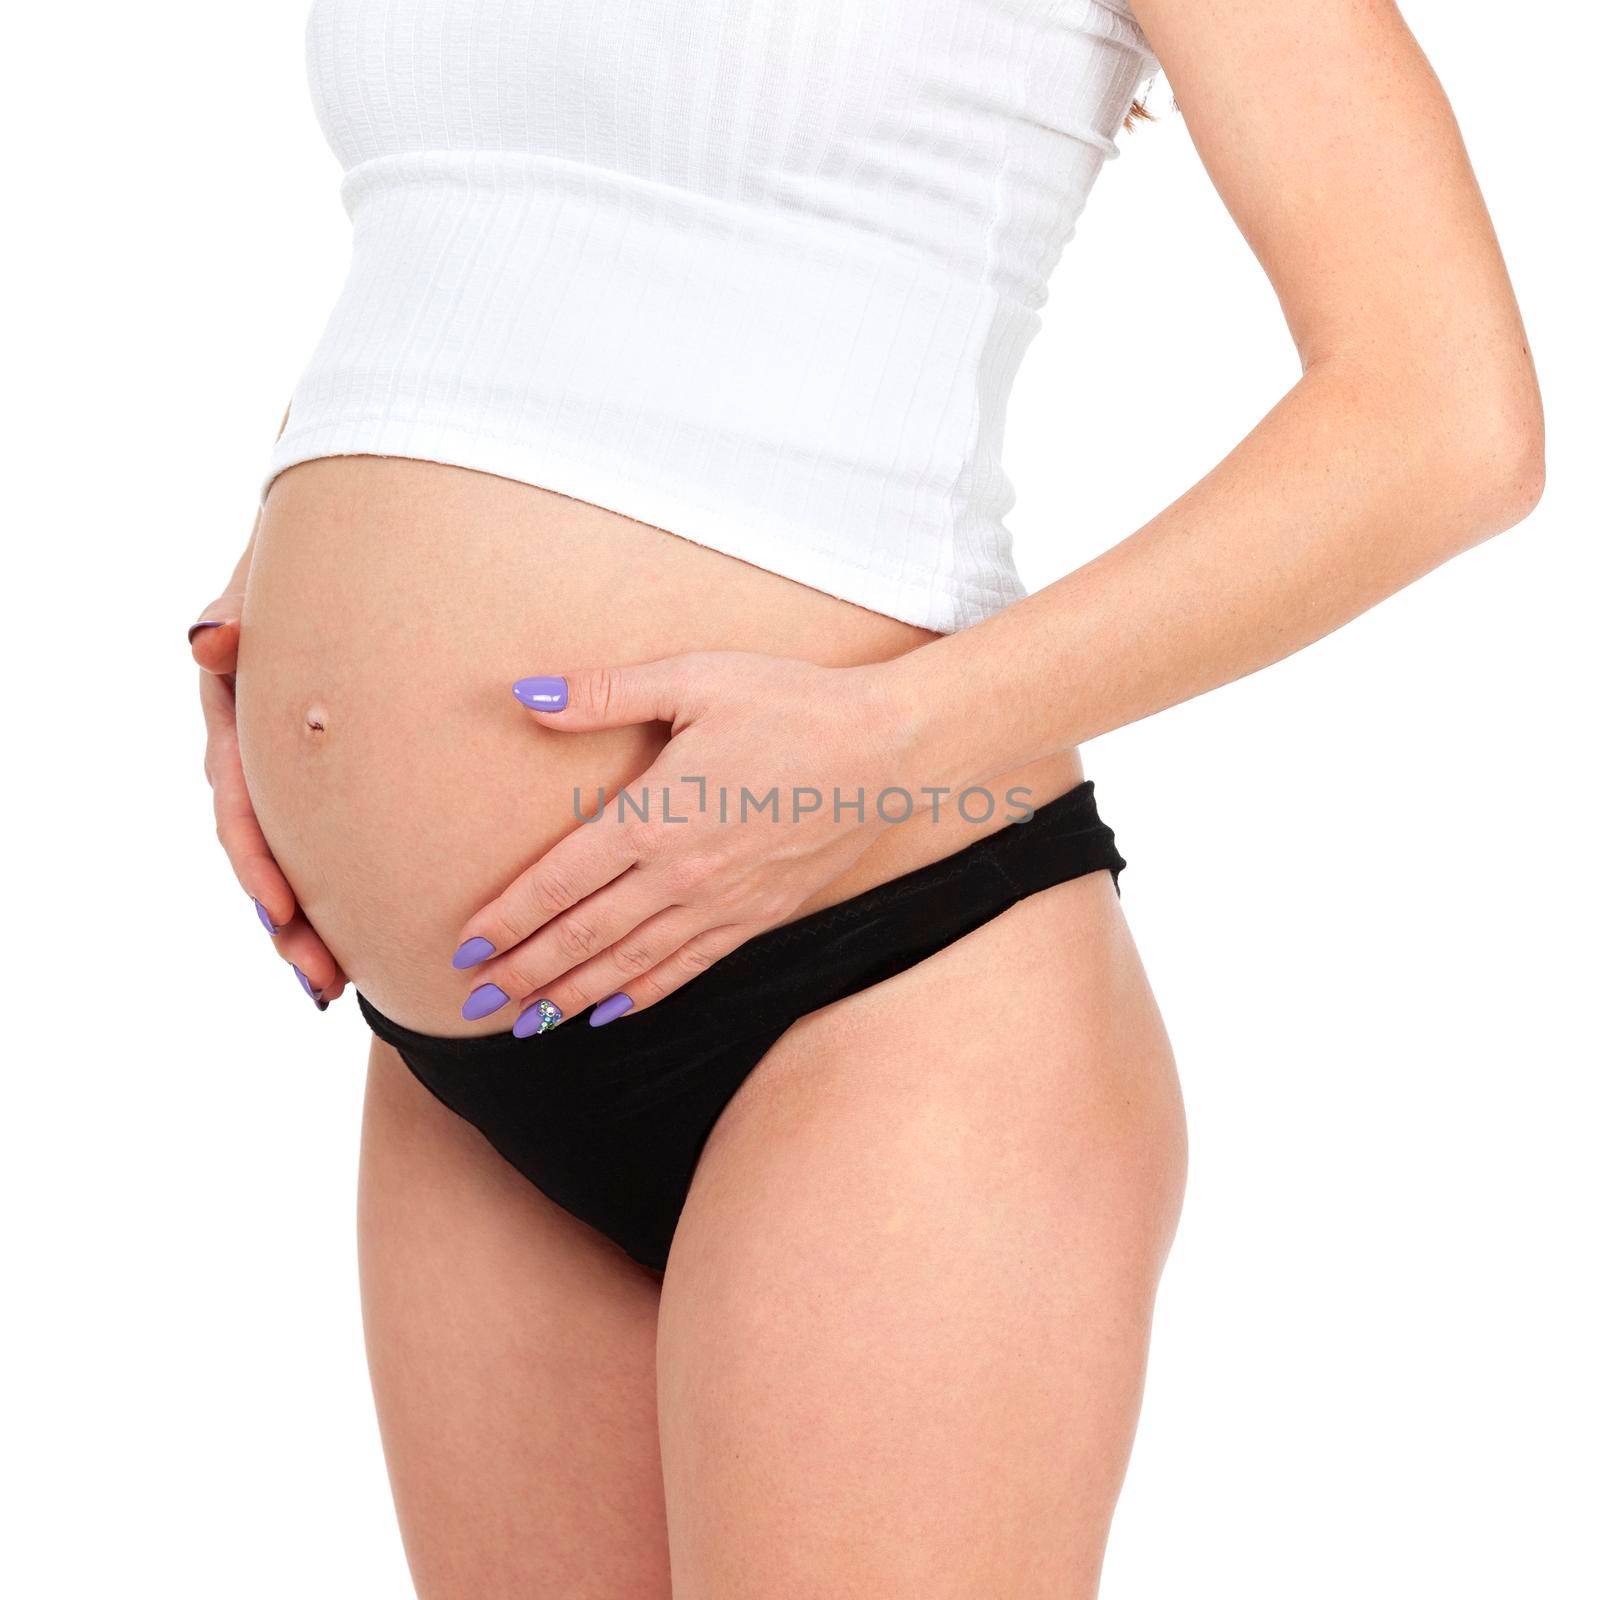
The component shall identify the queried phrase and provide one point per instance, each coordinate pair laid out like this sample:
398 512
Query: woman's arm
1414 432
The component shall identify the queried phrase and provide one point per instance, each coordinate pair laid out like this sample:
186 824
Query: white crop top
756 272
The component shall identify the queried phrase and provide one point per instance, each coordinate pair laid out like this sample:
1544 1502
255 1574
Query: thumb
606 697
214 638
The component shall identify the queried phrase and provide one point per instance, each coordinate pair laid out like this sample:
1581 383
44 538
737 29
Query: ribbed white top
757 272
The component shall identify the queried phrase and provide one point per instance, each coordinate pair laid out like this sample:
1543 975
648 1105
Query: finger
621 920
577 866
614 993
214 638
313 963
608 697
237 829
642 950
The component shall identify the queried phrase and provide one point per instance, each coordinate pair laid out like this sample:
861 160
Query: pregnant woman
765 1184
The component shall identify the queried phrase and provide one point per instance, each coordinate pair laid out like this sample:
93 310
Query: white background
1364 883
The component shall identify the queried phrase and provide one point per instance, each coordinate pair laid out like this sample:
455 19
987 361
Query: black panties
609 1122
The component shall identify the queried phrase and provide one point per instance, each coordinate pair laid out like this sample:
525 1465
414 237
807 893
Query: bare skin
903 1330
390 607
512 1353
899 1344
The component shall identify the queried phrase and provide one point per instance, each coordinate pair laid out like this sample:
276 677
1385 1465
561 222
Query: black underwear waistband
816 959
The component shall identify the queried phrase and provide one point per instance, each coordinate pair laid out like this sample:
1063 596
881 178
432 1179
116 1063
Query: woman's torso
754 272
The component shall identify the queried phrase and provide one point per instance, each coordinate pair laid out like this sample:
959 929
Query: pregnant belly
391 605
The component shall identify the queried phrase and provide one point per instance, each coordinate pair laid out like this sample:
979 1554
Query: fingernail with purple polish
609 1010
200 627
305 983
485 998
471 953
266 919
540 1017
542 694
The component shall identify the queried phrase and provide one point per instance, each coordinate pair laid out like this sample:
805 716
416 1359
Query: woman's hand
214 639
777 777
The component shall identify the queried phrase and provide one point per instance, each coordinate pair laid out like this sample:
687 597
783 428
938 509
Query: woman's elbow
1495 455
1512 476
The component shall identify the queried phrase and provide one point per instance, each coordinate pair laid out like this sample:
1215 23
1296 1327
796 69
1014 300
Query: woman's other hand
214 640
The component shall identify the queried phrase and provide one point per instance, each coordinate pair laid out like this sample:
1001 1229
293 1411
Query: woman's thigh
513 1361
904 1324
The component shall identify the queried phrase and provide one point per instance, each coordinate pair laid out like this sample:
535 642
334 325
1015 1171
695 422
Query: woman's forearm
1353 486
